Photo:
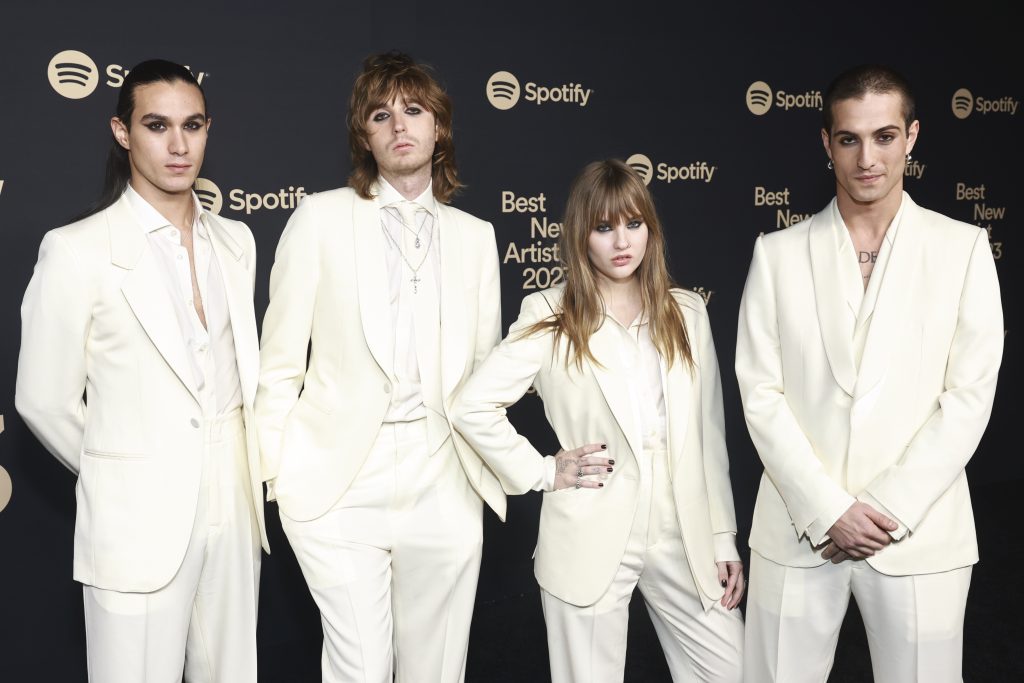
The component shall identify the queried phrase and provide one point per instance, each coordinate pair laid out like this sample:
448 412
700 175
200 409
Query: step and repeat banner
718 109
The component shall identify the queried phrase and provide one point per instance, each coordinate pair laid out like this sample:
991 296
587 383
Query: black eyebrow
163 118
892 126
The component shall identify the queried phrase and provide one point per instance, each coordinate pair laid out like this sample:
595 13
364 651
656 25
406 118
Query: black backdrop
720 99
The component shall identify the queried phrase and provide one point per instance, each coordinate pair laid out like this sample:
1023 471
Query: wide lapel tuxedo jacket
318 416
105 384
583 532
898 431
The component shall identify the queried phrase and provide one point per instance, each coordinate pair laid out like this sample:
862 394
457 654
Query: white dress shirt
210 349
402 256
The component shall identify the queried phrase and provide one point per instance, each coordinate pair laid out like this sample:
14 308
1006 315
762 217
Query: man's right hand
861 532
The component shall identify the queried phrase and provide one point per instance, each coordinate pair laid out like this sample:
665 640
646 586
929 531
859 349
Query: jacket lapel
145 291
892 306
614 383
372 283
453 305
830 302
238 287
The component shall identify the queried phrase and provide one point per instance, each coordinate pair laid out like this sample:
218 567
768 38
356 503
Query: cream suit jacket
329 294
583 532
899 432
98 321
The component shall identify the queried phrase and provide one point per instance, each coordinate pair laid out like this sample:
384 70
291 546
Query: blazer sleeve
788 457
287 327
480 414
716 455
489 303
55 319
939 452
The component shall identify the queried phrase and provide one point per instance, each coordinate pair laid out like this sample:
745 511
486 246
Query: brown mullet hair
384 77
609 192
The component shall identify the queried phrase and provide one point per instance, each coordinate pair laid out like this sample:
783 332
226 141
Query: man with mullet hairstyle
395 297
870 338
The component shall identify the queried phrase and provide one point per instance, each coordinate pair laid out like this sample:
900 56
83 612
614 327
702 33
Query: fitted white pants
203 622
914 623
588 644
393 566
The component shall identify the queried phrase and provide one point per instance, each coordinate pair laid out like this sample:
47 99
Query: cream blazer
104 383
318 418
583 532
898 432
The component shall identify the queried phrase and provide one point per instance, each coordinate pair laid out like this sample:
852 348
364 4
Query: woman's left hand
730 575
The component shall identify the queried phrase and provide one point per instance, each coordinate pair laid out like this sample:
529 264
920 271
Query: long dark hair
119 170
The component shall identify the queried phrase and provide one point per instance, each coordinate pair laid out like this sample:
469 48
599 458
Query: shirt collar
387 195
150 219
842 233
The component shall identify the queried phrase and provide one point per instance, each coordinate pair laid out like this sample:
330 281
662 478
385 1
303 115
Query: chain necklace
415 233
415 279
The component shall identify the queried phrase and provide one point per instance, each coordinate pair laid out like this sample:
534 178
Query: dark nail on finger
609 469
600 485
611 462
724 583
604 447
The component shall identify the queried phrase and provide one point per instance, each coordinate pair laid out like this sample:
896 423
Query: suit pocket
111 455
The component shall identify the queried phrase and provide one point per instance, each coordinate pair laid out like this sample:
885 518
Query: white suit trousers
393 566
204 621
588 644
914 623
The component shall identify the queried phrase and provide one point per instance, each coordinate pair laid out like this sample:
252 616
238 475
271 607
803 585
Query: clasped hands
859 533
580 469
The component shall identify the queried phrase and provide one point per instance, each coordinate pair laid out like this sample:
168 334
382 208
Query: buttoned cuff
725 547
547 478
817 531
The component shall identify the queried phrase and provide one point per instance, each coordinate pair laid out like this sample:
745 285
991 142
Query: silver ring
579 479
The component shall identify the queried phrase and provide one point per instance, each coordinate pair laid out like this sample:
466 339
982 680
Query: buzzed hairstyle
384 77
855 83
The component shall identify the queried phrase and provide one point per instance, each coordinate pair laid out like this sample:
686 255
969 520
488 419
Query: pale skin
616 249
166 143
868 145
401 135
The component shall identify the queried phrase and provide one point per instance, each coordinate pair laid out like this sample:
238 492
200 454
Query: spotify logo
73 74
209 195
503 90
641 163
759 98
963 103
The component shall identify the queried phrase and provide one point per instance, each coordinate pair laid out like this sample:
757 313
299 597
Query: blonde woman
639 495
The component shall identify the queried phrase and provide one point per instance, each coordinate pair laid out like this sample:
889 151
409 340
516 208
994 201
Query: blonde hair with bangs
608 192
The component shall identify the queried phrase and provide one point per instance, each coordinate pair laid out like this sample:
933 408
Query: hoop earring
829 165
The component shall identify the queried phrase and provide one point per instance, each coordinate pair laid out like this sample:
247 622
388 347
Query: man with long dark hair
138 368
397 296
870 339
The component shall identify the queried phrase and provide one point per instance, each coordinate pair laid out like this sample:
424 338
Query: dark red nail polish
604 447
724 583
600 485
611 462
609 469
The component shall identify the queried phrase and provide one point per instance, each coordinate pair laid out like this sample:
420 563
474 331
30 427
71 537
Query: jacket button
387 387
194 422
